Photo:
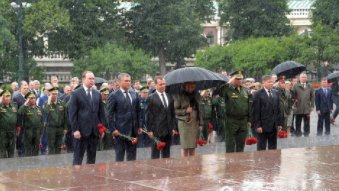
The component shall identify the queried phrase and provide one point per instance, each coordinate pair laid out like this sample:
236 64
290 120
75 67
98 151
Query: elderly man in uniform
56 123
237 104
8 118
32 124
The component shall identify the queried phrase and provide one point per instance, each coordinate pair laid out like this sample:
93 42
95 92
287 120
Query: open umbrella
288 69
204 79
99 80
332 76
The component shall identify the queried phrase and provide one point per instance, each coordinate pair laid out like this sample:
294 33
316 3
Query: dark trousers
20 143
298 118
69 140
166 151
267 139
321 119
336 111
292 127
123 146
88 144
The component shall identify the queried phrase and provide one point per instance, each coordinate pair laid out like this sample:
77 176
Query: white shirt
267 92
164 102
86 90
123 92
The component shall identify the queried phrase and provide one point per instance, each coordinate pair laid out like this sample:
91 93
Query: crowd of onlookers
195 116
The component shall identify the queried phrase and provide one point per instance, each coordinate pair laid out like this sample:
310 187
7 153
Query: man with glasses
237 104
31 120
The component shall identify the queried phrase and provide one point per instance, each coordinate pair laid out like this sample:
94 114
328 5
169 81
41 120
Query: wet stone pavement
303 163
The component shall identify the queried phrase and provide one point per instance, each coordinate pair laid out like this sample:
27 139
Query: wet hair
264 78
156 78
122 75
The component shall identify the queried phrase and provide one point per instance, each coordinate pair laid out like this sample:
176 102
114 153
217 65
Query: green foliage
255 56
326 13
93 23
44 16
166 28
112 59
254 18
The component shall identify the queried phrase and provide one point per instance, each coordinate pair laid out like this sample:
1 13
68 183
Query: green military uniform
32 126
206 113
237 115
56 124
106 142
8 118
218 108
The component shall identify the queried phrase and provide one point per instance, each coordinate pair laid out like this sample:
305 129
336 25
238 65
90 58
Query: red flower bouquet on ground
250 140
282 134
201 141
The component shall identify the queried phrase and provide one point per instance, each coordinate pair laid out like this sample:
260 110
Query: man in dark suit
266 114
124 117
324 107
85 113
335 99
160 118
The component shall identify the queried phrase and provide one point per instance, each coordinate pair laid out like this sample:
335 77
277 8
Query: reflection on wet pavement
314 168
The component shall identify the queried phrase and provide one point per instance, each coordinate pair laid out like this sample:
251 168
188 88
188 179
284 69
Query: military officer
32 124
56 121
206 112
107 141
237 105
218 116
8 118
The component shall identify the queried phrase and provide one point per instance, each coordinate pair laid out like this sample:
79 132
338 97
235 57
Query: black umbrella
99 80
333 76
204 79
288 69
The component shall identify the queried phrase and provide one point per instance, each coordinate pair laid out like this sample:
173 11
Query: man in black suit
124 118
335 98
267 118
324 107
85 113
160 118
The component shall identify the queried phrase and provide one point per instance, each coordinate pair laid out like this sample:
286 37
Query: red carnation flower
134 141
210 126
251 141
282 134
102 128
201 142
161 145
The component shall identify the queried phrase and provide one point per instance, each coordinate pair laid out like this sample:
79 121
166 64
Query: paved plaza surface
300 163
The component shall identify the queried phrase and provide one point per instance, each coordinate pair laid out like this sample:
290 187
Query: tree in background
93 24
111 59
326 13
254 18
41 17
169 30
255 56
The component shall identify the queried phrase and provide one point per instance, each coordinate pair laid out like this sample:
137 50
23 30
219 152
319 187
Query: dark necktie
270 94
128 98
89 94
163 100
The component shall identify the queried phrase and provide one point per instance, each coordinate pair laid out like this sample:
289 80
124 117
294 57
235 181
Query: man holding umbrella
237 101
